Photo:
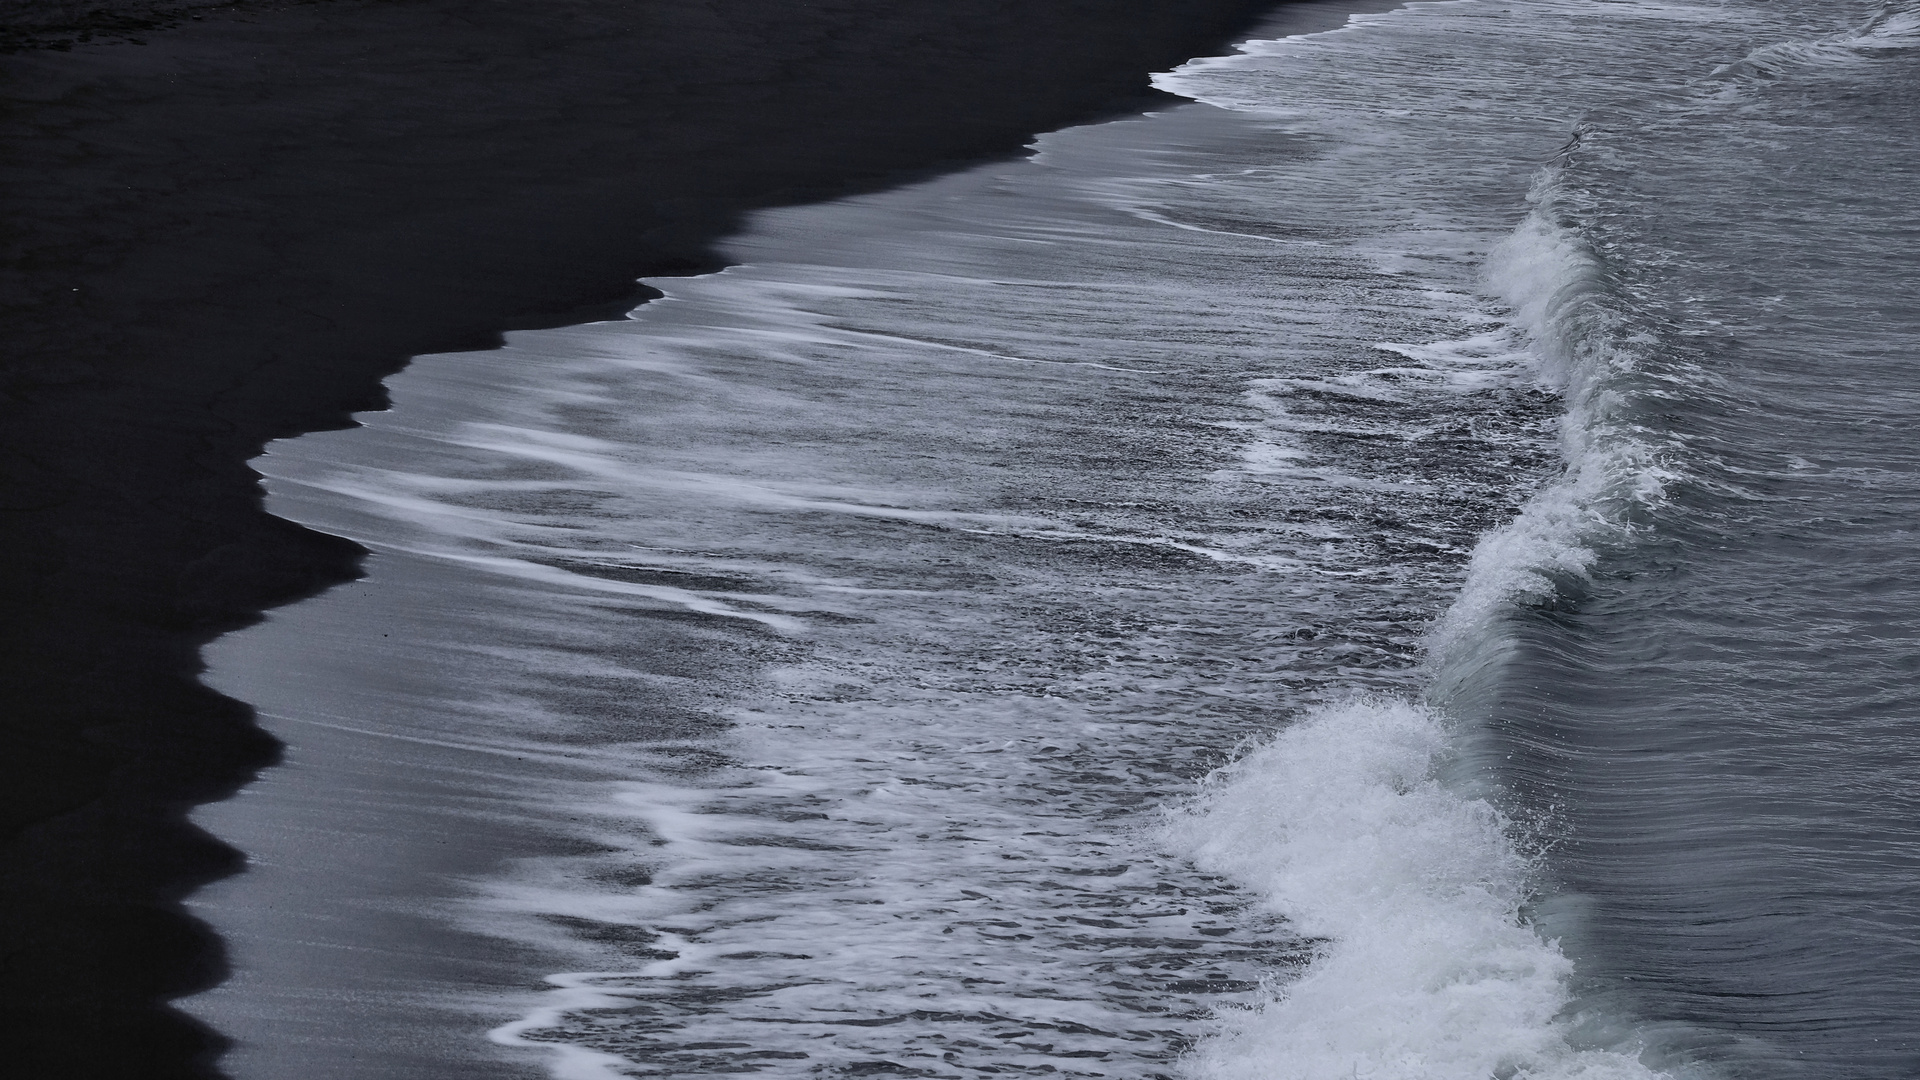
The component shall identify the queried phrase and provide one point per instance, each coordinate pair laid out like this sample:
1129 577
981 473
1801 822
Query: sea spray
1426 966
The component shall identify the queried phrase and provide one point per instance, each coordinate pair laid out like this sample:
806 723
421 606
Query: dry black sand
224 225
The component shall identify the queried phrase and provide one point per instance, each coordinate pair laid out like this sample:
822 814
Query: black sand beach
226 224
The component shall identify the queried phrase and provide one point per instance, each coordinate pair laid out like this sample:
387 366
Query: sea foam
1427 966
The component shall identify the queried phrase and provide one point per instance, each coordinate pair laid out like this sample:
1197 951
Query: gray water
1725 714
1393 570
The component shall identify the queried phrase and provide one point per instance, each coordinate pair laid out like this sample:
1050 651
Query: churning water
1398 569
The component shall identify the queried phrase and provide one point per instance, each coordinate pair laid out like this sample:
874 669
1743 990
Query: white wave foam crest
1427 967
1586 345
1448 61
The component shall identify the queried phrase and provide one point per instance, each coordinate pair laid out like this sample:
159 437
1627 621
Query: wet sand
350 962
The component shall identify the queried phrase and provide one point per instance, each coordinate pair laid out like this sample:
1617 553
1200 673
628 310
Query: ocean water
1396 569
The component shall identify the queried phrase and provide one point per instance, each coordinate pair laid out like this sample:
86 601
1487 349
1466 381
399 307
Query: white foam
1427 967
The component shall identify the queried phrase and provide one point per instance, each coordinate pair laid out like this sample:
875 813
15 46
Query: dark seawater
1398 569
1727 713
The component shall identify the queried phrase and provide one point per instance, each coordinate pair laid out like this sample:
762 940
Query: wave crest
1427 966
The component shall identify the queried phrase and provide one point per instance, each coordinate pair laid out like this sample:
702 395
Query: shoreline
308 664
346 963
230 233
